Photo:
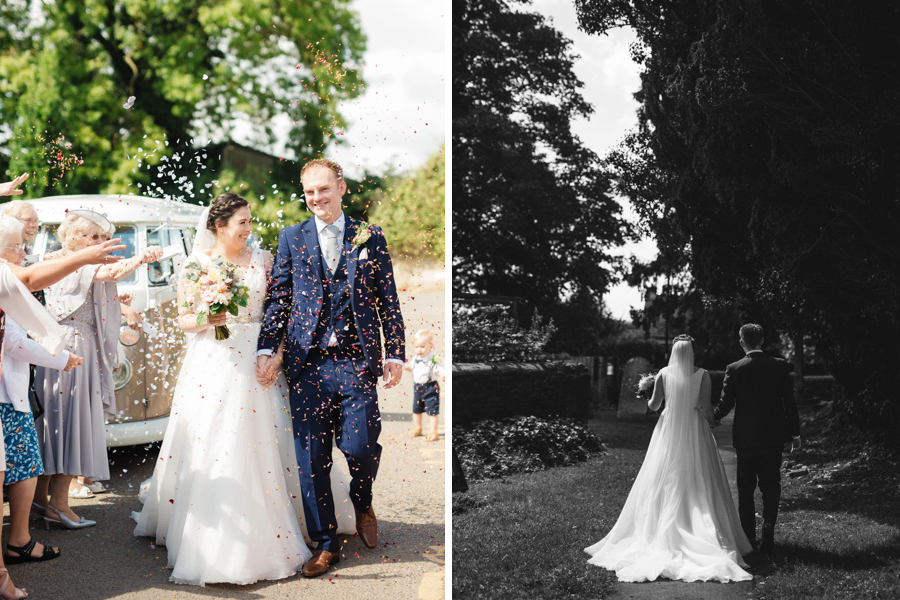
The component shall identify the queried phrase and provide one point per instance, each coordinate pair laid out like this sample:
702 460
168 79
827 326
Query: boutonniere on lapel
363 233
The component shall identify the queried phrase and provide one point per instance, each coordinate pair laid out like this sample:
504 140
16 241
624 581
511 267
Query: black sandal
24 553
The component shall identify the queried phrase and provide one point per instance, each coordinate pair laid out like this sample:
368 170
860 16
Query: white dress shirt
426 368
341 224
19 353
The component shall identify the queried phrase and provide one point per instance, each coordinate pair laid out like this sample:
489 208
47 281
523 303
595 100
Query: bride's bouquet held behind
644 387
213 289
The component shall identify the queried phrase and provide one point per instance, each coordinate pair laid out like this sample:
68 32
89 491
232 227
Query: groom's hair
752 335
324 162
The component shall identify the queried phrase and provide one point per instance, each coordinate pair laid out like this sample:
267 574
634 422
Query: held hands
706 416
74 361
266 369
392 374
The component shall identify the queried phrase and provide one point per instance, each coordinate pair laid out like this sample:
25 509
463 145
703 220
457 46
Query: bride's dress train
679 521
225 498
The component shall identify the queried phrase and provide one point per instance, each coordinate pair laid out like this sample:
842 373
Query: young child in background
426 368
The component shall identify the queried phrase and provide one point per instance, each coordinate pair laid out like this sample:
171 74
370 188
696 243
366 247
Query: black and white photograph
675 299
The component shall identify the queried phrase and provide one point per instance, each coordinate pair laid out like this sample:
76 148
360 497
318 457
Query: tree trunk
797 359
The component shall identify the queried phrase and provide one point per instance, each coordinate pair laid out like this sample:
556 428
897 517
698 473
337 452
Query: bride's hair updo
223 208
683 338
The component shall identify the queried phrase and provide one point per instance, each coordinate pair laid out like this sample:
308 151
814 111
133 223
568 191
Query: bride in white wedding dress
225 499
679 520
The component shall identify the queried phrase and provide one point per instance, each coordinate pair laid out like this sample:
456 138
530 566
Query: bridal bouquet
644 387
214 289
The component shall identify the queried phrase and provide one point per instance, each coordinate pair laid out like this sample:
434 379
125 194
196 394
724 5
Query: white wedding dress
679 520
225 499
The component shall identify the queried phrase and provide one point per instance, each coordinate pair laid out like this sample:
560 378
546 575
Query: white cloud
400 119
610 79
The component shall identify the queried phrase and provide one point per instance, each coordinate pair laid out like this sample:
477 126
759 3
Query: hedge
498 390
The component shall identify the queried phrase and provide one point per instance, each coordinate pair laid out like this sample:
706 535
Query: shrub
491 335
493 449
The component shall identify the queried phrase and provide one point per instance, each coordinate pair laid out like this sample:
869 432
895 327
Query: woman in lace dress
225 497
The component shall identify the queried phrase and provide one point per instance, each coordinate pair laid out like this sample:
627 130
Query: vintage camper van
149 360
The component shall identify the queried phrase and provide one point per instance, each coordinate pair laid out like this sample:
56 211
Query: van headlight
122 374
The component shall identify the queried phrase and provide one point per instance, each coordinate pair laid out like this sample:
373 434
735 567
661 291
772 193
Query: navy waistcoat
337 310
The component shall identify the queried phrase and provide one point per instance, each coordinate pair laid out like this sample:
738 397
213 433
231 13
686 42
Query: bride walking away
679 521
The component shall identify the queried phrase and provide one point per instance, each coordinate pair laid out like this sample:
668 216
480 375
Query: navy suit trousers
334 398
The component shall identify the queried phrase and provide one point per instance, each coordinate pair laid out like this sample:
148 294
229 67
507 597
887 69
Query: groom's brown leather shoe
367 527
320 563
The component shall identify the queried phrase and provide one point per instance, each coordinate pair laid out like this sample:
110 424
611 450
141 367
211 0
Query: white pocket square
364 254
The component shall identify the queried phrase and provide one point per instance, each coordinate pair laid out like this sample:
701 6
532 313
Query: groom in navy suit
331 294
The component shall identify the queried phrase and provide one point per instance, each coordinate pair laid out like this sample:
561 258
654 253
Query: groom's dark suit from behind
760 389
332 385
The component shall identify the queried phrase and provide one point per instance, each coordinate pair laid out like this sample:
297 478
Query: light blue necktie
331 250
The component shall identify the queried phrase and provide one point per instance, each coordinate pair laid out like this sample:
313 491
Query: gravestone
630 405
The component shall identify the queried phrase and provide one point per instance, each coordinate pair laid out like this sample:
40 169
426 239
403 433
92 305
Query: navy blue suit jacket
295 296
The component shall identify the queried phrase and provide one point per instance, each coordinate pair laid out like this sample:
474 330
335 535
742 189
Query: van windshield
127 233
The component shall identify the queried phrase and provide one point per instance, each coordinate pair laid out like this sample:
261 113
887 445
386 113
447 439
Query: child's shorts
426 398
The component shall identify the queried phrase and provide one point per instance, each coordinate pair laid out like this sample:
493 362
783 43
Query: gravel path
107 561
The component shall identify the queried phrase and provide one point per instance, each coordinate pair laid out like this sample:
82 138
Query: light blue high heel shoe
66 521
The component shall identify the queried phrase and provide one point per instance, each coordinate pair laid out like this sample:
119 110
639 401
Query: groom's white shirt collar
340 223
749 352
321 225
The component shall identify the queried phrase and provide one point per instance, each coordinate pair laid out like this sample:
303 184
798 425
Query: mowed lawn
524 536
838 535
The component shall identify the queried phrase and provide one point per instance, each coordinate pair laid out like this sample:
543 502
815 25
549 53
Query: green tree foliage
410 210
532 217
769 141
68 68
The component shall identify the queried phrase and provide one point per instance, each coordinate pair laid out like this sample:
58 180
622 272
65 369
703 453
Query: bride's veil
204 238
681 371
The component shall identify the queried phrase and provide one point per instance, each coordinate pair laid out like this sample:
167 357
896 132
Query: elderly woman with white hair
24 212
72 431
17 303
23 458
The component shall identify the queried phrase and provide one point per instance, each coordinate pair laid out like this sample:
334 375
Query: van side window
159 272
188 237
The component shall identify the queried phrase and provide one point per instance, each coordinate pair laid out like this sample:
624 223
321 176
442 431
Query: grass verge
524 536
838 533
